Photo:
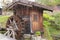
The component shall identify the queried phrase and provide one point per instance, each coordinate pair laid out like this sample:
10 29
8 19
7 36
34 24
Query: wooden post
41 22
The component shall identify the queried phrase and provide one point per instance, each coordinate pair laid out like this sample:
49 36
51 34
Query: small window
35 17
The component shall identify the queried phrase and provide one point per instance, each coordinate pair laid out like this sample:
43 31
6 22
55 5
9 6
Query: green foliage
48 17
57 16
46 23
37 33
57 21
57 1
3 20
47 33
55 25
52 24
49 2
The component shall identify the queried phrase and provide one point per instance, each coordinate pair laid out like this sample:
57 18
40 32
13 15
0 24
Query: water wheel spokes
13 24
11 29
10 32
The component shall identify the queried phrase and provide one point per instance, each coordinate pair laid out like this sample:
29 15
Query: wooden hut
31 12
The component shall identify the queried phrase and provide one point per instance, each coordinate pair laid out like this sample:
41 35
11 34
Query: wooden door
34 21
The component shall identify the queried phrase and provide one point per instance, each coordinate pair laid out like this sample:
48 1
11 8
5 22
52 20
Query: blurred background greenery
52 25
3 20
51 21
49 2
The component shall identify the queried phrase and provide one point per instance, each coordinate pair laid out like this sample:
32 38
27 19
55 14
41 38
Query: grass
2 32
3 20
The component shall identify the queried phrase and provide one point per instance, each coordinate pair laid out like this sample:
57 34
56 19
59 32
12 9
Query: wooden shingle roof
29 4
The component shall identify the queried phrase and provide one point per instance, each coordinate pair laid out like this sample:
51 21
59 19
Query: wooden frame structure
32 12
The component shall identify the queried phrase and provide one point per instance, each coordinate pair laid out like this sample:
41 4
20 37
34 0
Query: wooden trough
28 16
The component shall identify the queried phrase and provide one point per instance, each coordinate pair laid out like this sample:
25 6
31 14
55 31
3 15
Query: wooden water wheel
18 25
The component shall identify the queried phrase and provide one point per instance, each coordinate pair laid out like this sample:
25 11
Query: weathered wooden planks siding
36 19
